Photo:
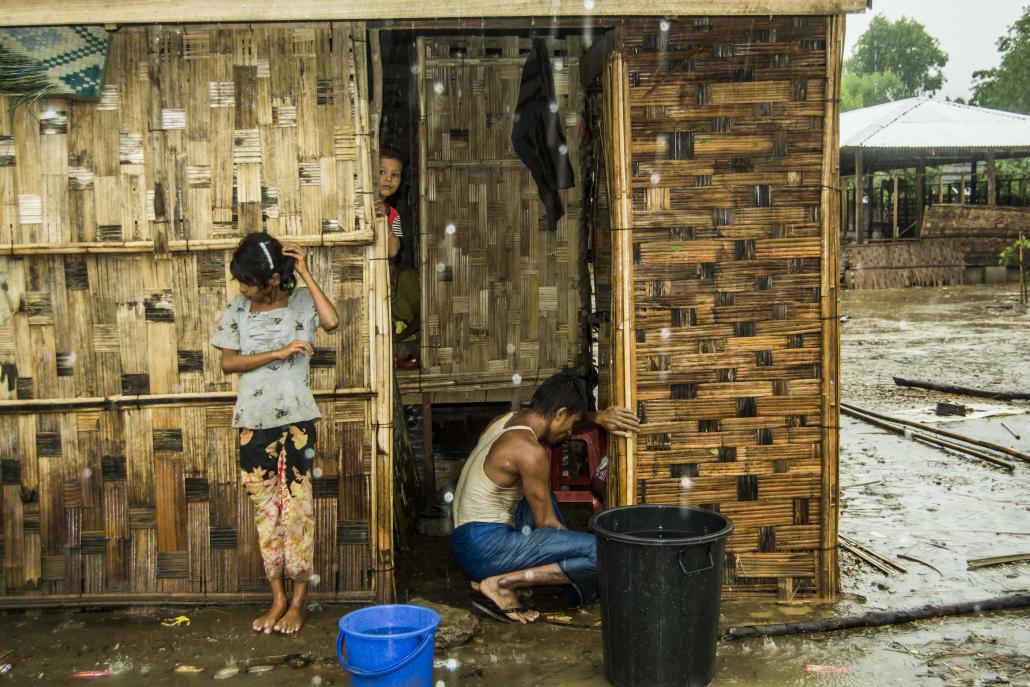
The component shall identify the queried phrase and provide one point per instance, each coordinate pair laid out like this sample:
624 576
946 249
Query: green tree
1007 86
904 48
864 90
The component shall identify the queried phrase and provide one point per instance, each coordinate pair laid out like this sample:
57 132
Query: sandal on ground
485 606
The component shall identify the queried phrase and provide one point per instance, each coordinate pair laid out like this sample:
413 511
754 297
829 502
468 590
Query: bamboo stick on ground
943 432
875 559
926 438
963 390
878 618
976 563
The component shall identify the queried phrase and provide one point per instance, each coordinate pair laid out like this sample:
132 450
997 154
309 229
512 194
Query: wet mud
925 508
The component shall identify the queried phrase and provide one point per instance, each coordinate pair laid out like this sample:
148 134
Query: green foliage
1007 86
864 90
1010 256
904 48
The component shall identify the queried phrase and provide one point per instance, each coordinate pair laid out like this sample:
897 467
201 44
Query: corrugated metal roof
926 123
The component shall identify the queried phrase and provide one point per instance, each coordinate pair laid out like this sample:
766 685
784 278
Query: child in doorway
391 166
266 337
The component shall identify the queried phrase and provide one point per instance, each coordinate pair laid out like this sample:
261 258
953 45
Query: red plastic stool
576 489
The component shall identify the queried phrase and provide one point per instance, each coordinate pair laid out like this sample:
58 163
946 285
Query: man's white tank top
477 498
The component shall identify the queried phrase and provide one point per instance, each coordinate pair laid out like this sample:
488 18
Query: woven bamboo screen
732 341
500 291
119 462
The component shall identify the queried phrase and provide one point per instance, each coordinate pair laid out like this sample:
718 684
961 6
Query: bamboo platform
117 221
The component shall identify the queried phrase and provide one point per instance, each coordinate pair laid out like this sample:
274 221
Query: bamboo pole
964 390
356 238
976 563
859 192
992 180
829 306
920 195
62 405
617 125
943 432
928 439
878 618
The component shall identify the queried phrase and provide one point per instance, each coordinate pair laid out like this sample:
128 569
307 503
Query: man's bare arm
534 465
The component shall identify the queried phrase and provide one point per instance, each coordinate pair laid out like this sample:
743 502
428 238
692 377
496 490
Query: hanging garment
537 133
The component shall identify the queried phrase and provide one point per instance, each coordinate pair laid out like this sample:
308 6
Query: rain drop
309 453
655 178
664 25
314 580
559 64
316 681
563 149
516 378
414 69
450 229
526 530
448 497
530 575
510 348
553 107
440 267
686 483
588 4
438 87
666 332
452 664
86 473
317 472
441 683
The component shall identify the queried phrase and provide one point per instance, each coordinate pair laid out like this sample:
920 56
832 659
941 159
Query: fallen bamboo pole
976 563
878 618
963 390
943 432
926 438
877 560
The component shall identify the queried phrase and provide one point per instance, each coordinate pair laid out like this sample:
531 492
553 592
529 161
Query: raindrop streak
563 149
516 378
666 332
664 25
317 472
510 348
450 229
448 497
86 473
655 178
440 267
438 88
588 4
686 483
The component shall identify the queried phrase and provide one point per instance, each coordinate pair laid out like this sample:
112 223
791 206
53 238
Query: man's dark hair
563 390
391 153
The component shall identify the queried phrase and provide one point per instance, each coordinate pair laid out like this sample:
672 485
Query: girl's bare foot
294 618
266 622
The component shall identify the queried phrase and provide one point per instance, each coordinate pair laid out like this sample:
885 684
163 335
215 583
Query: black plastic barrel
660 570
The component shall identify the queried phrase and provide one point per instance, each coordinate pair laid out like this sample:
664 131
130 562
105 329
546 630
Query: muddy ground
899 497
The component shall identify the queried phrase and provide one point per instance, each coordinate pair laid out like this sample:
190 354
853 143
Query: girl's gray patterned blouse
275 394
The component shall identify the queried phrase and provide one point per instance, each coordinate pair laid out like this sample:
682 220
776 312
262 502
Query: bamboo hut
704 138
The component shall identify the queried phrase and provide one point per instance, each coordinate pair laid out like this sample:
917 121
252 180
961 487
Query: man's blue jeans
485 549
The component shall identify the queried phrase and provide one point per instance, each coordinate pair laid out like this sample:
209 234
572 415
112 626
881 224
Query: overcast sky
967 31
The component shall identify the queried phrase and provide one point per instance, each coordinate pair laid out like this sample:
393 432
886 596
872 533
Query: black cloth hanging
537 133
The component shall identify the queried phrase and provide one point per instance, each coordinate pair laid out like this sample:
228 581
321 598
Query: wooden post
962 190
894 208
940 189
428 461
920 195
992 180
1022 191
859 190
827 580
972 181
621 491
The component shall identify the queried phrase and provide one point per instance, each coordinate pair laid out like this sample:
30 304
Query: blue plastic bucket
388 646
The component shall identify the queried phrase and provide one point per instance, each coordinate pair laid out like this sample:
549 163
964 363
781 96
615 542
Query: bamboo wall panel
727 122
500 291
119 462
931 261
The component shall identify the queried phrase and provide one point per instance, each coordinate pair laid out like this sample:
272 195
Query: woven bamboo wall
117 222
726 162
500 291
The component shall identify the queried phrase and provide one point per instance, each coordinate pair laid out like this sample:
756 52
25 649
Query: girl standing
266 336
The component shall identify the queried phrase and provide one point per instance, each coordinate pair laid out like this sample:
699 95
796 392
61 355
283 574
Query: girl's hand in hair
300 256
294 347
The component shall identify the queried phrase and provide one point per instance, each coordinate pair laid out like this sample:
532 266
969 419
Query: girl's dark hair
391 153
257 258
563 390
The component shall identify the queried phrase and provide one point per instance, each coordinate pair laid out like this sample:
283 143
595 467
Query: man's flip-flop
489 608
